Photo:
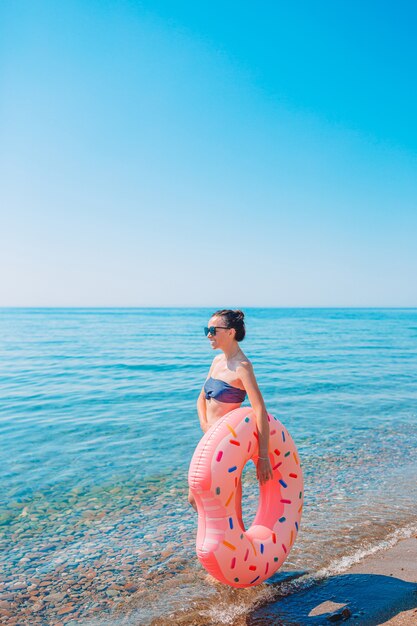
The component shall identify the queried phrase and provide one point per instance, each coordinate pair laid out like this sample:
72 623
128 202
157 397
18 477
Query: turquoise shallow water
98 425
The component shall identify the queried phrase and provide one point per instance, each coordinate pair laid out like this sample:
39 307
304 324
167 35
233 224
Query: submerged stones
83 554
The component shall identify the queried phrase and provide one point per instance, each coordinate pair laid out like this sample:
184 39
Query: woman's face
223 337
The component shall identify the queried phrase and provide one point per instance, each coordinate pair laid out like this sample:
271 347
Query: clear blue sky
208 153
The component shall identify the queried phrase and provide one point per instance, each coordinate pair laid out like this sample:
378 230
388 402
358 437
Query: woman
230 378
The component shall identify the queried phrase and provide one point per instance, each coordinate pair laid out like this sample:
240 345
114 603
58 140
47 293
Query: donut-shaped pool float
231 554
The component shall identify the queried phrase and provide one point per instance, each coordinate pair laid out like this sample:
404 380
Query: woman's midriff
215 409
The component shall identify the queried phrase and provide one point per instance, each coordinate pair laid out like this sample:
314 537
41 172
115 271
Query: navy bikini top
223 392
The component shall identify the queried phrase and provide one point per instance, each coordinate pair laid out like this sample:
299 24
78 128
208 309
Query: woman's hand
205 427
264 470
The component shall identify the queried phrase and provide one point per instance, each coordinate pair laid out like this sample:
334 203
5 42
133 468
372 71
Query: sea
98 425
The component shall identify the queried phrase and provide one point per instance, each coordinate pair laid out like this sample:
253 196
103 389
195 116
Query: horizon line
202 307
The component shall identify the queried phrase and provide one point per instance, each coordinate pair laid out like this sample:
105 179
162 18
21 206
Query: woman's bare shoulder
244 364
244 361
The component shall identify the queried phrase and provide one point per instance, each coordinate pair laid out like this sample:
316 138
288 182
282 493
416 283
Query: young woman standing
230 379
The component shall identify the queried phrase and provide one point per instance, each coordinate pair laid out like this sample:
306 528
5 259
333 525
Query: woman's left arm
247 376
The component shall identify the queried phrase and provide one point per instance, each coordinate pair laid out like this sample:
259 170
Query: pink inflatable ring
233 555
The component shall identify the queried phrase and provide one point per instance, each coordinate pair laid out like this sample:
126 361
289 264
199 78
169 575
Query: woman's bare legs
191 500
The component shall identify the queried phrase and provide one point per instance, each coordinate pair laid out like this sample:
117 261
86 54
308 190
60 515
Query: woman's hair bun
234 319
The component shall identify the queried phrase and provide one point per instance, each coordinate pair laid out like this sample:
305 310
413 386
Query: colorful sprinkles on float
230 553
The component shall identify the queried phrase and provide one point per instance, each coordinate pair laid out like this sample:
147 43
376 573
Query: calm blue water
98 424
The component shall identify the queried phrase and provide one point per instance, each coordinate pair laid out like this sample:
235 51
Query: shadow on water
365 599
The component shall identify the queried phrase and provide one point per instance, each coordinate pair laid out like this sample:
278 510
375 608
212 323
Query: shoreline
379 590
400 563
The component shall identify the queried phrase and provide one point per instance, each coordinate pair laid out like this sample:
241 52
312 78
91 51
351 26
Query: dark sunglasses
212 329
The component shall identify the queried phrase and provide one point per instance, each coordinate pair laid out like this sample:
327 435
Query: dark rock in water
337 616
314 604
